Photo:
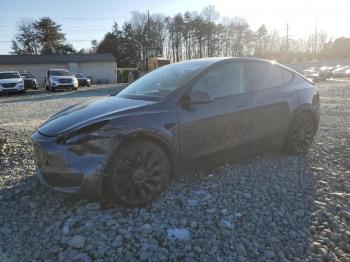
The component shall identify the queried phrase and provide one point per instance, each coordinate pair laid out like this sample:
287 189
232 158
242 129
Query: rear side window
287 76
224 80
300 79
261 76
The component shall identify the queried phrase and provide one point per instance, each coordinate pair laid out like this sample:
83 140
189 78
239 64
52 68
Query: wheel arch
158 140
303 109
306 108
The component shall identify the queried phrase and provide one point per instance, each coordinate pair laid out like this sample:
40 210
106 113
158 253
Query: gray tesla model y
130 144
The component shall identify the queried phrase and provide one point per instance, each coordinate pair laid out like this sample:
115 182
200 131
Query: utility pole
315 38
148 38
287 38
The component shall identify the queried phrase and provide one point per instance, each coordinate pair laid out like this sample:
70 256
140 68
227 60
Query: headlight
79 139
81 135
54 79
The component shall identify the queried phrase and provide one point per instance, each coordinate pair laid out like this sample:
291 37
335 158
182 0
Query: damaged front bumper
66 168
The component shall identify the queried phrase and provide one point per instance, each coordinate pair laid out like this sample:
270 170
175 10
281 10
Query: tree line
183 36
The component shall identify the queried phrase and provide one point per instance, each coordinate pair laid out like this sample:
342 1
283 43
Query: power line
82 32
69 18
73 41
86 28
76 29
65 10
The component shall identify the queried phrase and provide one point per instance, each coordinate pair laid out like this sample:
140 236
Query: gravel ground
269 208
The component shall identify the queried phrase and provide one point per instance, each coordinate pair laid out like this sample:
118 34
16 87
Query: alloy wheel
140 175
303 132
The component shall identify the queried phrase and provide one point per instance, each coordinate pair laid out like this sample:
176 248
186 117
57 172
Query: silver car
60 79
11 81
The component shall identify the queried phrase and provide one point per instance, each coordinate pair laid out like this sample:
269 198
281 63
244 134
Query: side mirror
196 97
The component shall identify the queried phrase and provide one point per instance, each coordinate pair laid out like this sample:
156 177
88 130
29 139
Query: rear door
269 98
221 124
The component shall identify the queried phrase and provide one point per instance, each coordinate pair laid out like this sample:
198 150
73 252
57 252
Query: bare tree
27 39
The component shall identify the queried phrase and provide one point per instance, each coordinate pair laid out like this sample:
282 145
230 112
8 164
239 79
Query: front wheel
301 133
52 89
139 173
48 87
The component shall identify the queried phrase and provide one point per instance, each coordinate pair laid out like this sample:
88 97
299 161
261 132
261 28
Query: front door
220 124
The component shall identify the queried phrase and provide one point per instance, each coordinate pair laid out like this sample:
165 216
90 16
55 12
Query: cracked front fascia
91 157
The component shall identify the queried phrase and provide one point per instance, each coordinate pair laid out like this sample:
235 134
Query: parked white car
11 81
342 71
60 79
312 73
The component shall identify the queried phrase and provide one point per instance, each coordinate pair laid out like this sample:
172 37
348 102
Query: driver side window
224 80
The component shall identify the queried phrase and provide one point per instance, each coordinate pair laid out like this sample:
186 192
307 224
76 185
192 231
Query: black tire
46 87
301 134
139 172
52 89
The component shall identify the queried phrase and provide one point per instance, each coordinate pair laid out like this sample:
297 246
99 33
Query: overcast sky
84 20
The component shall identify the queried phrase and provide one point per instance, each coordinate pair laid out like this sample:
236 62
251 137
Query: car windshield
9 75
60 73
26 75
161 82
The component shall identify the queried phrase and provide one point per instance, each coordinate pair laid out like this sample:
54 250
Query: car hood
88 112
10 80
63 77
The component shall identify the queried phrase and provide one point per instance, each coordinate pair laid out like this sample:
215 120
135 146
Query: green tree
51 38
122 44
43 36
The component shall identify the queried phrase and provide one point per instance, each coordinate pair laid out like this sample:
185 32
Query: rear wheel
139 173
301 133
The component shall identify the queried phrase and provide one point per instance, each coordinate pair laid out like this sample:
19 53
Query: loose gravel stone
269 207
178 234
77 242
